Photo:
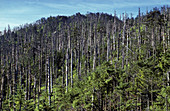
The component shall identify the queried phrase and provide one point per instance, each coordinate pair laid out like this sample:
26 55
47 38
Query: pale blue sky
18 12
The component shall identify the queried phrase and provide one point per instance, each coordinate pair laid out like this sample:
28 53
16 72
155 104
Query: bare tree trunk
63 70
49 82
164 32
163 38
52 61
13 73
123 40
153 42
118 41
89 47
99 49
88 54
66 70
29 81
108 40
139 36
90 39
35 80
26 96
40 70
102 36
114 32
95 51
79 62
127 45
118 46
2 83
1 89
71 68
148 100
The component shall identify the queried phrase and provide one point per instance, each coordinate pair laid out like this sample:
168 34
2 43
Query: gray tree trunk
71 68
108 40
139 36
123 40
66 70
94 56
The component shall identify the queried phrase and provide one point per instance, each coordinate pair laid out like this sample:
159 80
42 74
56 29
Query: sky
19 12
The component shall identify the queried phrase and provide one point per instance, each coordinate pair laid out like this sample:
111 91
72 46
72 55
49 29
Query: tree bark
66 70
108 40
123 40
95 50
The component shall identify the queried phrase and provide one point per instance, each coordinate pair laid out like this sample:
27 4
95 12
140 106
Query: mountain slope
87 62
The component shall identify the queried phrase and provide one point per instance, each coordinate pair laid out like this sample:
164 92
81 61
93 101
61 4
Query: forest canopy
95 62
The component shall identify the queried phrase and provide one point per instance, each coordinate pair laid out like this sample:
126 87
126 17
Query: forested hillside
96 62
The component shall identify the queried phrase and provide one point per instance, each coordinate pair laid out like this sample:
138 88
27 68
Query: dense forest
96 62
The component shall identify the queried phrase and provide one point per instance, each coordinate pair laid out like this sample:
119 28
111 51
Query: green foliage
125 82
